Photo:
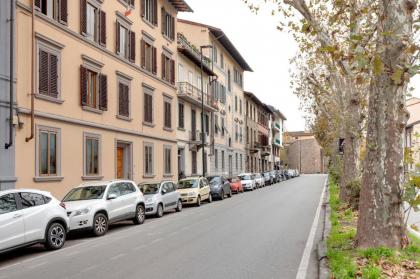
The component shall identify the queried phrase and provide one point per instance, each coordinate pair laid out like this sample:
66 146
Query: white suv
95 205
28 217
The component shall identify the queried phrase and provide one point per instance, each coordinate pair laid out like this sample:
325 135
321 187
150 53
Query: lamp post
202 109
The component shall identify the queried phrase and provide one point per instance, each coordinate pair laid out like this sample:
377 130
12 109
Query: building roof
226 43
181 5
412 101
255 99
276 111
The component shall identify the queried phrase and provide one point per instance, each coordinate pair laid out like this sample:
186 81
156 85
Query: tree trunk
380 209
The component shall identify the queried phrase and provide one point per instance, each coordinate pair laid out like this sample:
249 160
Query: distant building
412 133
304 152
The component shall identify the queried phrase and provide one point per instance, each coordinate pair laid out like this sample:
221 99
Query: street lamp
202 108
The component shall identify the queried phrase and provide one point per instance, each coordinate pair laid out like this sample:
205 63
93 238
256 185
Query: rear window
31 199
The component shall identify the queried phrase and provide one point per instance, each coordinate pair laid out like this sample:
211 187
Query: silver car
161 197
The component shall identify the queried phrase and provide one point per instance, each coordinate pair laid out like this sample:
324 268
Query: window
7 204
167 114
181 122
149 11
216 159
126 42
123 99
168 25
129 2
214 55
55 9
194 162
93 89
216 124
190 78
207 123
223 160
148 108
240 106
148 159
222 61
31 199
236 161
180 73
168 69
240 157
229 81
236 103
93 22
48 71
240 134
126 188
48 146
167 159
223 126
236 132
222 94
148 57
92 147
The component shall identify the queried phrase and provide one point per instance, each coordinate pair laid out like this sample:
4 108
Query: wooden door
120 162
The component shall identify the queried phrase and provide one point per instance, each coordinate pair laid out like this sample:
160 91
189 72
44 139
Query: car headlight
191 194
150 200
82 211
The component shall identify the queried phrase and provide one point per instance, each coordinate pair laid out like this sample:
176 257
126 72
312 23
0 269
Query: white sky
266 50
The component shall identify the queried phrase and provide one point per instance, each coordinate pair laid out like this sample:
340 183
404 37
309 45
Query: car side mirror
164 191
112 196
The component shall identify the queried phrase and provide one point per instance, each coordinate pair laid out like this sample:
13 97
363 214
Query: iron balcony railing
186 88
184 43
196 136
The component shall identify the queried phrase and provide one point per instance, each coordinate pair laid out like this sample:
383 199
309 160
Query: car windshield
148 189
188 183
213 179
85 193
245 177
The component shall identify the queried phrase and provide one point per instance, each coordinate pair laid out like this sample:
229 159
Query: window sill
168 129
148 124
149 176
48 98
125 118
47 178
168 175
91 109
181 129
168 38
92 177
151 25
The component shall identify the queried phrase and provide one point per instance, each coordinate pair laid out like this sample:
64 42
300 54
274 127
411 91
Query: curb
323 268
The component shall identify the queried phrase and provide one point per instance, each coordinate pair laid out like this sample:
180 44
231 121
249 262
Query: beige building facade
412 134
104 96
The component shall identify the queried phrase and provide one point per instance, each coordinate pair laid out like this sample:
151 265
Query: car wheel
100 224
140 215
199 200
230 194
159 211
222 195
179 206
56 236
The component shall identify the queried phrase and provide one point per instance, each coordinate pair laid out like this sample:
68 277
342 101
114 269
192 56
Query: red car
236 185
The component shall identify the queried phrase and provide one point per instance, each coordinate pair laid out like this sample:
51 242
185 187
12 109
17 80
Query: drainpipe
11 75
32 76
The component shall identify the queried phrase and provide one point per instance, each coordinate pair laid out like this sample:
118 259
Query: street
260 234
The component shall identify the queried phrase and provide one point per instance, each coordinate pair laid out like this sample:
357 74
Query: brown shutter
43 72
103 92
120 98
154 59
143 53
117 39
173 71
163 67
83 17
155 13
102 28
63 11
37 5
123 100
142 8
163 21
151 108
132 47
172 28
83 86
53 77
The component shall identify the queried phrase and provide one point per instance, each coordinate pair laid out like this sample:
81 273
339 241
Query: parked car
268 180
259 180
236 185
95 205
29 217
247 181
194 190
219 186
161 197
274 177
291 173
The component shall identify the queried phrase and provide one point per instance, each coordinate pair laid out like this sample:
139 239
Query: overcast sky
266 50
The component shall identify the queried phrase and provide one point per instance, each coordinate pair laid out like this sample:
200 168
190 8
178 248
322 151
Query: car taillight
63 205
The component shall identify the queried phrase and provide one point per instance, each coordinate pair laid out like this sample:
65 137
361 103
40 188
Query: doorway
124 160
230 166
181 162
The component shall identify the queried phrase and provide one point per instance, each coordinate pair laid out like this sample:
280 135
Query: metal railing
186 88
184 43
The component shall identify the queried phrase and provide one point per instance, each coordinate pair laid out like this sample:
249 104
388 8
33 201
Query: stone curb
323 268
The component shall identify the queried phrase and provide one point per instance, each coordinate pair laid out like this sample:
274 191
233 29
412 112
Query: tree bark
380 209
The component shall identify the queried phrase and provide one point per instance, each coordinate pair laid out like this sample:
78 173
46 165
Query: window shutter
132 36
172 28
168 115
83 17
142 8
143 53
53 77
155 13
154 57
163 20
117 39
146 114
83 86
173 71
163 57
123 100
38 5
103 92
43 72
102 28
120 98
63 11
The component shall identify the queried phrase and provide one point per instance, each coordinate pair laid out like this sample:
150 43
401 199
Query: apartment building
276 136
195 74
96 92
227 142
411 135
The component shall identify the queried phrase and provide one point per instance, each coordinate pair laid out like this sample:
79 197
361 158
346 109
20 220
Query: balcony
193 53
277 126
192 94
277 142
252 147
195 138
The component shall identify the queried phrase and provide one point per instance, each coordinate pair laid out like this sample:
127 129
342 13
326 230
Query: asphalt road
259 234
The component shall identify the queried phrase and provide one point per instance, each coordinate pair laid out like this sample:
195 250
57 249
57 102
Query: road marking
304 263
89 268
139 247
37 265
117 257
156 240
